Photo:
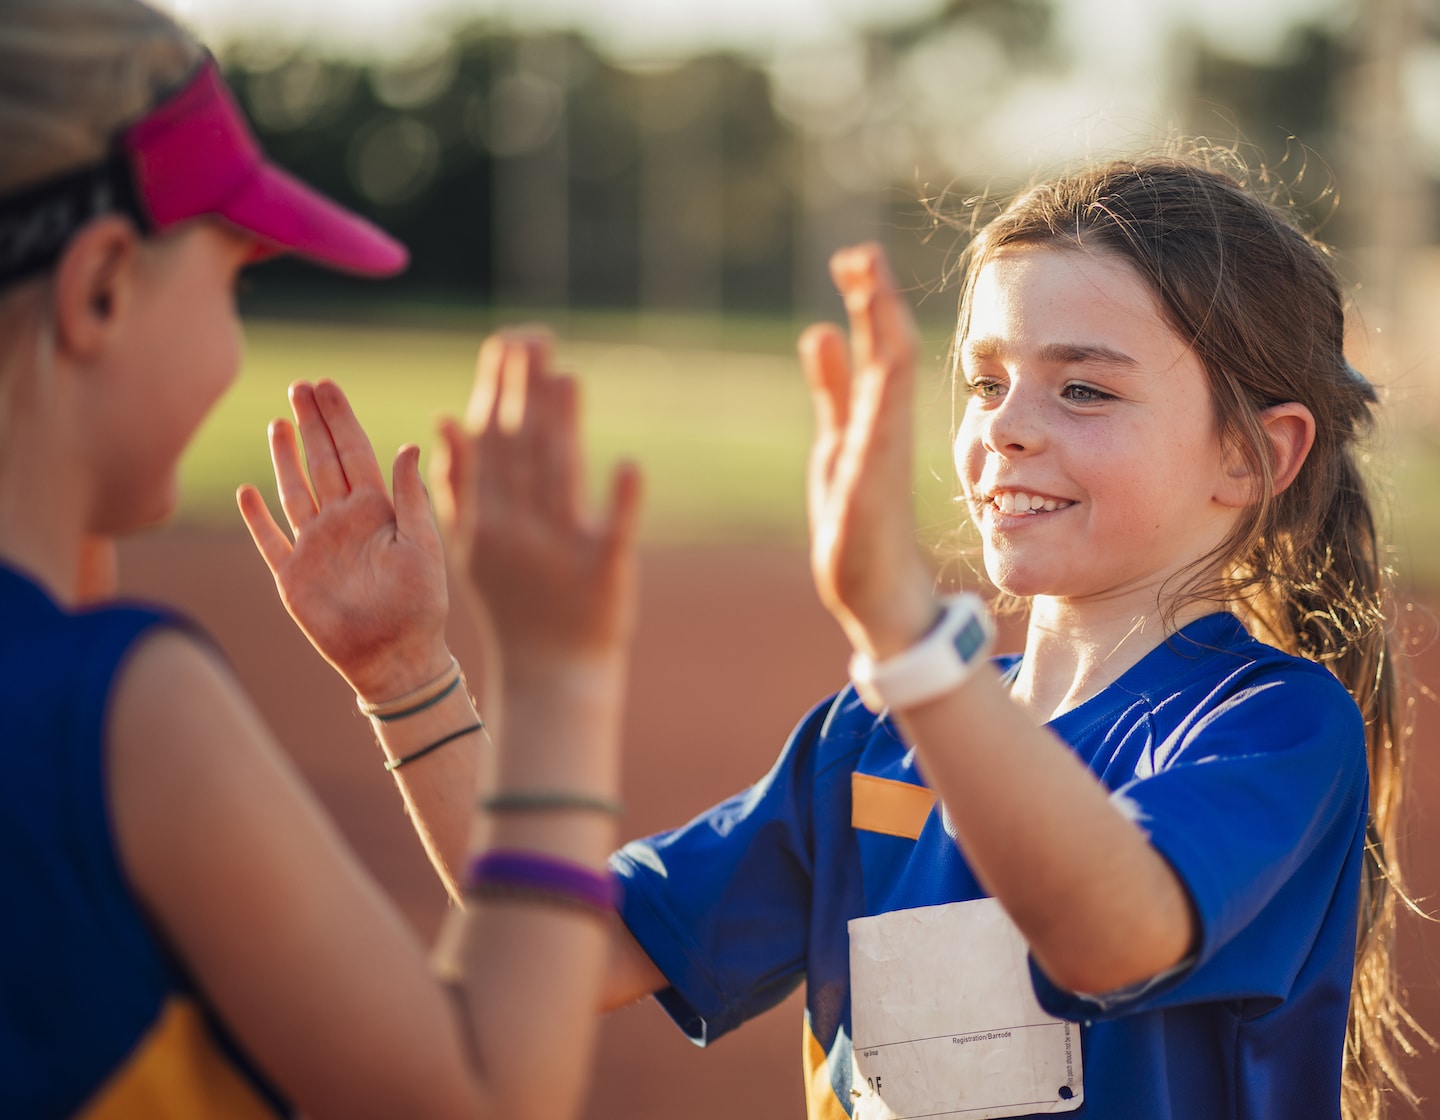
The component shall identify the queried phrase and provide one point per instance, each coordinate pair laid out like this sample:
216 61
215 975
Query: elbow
1118 959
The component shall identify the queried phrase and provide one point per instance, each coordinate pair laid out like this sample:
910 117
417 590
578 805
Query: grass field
722 434
720 426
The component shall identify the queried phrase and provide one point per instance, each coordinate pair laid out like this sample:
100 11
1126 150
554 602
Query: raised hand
365 576
556 581
864 558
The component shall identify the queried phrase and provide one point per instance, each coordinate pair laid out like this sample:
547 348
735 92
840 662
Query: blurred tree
530 170
395 142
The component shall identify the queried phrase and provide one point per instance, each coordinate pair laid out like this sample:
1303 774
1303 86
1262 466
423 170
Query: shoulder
1241 698
1215 662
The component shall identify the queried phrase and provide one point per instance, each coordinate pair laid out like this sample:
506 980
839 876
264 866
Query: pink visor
191 156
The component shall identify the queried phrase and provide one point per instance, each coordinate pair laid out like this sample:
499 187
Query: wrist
942 659
401 673
904 620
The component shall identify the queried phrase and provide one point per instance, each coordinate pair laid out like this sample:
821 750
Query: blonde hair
73 72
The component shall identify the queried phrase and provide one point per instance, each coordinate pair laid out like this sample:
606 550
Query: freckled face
1088 451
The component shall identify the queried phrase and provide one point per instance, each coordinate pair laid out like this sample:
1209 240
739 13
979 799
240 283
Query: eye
983 388
1084 394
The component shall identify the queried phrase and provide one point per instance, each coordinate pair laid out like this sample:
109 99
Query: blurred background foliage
533 170
677 207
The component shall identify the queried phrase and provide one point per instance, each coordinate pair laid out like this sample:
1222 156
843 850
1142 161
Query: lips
1022 502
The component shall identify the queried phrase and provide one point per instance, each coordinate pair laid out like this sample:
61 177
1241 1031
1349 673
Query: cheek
967 452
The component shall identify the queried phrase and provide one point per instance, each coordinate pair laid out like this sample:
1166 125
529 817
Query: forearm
532 975
1098 905
439 786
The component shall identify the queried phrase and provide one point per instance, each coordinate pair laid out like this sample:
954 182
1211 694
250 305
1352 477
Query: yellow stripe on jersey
820 1102
177 1072
884 805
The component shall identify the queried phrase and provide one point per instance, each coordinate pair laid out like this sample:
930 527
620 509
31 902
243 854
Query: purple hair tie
541 878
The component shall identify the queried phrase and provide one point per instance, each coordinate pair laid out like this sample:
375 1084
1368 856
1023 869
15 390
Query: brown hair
1259 303
72 72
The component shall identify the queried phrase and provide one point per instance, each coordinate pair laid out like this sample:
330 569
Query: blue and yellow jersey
97 1020
1245 766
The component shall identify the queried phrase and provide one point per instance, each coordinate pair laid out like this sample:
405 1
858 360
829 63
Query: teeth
1017 501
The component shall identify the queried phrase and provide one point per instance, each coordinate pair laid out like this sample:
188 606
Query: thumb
413 516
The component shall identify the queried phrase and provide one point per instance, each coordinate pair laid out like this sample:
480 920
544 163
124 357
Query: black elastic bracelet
420 707
393 764
539 801
518 892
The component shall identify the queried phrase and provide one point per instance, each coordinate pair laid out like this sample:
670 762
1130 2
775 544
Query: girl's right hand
365 576
556 582
868 569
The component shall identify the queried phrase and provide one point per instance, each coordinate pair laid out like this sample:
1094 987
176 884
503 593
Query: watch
938 662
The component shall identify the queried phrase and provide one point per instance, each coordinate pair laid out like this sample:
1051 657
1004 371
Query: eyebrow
1056 353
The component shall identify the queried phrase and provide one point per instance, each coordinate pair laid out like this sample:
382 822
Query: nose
1010 425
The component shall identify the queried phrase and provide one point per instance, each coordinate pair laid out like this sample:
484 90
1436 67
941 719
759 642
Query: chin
1011 578
120 522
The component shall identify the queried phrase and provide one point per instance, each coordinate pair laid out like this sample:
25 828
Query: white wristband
938 662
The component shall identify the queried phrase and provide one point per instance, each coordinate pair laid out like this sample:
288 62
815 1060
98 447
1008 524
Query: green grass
721 426
721 433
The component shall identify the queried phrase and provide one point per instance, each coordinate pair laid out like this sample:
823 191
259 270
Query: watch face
970 639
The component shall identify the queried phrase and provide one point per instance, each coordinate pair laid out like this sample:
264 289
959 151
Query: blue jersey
97 1018
1245 766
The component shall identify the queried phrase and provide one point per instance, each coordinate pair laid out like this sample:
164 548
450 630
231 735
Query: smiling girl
1145 868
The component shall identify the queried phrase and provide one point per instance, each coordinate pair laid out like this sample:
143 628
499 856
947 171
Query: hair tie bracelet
533 877
539 801
416 700
393 764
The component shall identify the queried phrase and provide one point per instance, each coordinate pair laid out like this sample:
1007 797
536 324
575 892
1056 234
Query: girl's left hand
365 577
556 581
864 558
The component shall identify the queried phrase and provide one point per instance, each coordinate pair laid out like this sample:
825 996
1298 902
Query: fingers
522 422
353 452
413 517
290 478
485 392
622 520
559 472
449 471
270 540
882 330
498 394
327 477
827 372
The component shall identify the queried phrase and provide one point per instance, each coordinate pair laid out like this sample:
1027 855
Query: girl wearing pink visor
186 934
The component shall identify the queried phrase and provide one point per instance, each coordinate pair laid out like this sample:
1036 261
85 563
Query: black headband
37 223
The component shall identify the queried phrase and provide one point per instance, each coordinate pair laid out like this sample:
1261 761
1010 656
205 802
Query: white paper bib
945 1021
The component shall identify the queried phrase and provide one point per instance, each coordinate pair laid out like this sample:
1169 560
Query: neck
1075 650
44 500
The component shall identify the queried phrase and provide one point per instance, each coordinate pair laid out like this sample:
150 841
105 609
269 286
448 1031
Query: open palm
364 577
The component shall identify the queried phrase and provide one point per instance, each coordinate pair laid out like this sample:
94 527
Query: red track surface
733 648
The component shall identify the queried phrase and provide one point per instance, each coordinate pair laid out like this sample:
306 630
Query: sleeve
722 904
1259 804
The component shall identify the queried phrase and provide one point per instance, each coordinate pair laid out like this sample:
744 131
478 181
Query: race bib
945 1021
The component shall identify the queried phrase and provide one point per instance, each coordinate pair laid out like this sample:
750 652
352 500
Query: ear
92 285
1290 432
